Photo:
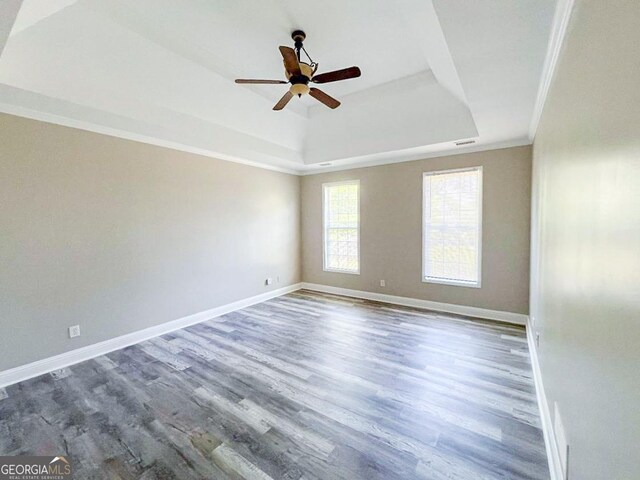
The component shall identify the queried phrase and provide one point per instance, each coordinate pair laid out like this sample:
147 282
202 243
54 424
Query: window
341 211
452 220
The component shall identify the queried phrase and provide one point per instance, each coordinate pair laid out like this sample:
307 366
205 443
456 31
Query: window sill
349 272
455 283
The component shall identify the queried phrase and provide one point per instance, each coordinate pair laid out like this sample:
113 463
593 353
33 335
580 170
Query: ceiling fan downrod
298 37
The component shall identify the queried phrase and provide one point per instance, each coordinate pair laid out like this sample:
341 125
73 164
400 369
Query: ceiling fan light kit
300 73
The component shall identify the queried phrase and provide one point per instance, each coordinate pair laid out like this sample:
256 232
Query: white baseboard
508 317
553 454
40 367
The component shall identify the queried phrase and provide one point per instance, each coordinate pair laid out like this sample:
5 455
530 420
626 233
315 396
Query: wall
586 240
391 230
118 236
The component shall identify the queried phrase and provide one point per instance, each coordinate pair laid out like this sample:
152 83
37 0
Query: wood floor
305 386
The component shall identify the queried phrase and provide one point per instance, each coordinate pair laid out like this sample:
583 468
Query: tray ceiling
161 71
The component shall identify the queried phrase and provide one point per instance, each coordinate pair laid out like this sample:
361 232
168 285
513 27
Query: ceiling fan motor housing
299 83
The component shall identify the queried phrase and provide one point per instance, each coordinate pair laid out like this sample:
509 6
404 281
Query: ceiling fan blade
344 74
290 60
261 82
283 101
324 98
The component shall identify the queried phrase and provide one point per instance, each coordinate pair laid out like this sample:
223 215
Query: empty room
338 240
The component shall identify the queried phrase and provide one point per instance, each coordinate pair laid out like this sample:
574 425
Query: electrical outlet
278 279
74 331
383 283
269 281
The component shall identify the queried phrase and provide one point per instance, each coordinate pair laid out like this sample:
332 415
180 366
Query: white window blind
452 223
341 211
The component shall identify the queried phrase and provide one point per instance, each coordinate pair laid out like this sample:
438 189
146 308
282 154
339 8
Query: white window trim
324 227
446 281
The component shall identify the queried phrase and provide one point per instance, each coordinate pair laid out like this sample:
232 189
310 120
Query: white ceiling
161 71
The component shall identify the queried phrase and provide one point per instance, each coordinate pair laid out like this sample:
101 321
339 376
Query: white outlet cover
74 331
382 283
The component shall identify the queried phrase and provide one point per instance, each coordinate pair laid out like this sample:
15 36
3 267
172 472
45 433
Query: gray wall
118 236
586 240
391 230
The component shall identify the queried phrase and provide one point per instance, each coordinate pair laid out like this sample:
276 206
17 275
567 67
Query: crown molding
556 40
65 121
516 142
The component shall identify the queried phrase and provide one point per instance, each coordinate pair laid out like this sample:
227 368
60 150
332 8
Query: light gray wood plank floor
304 386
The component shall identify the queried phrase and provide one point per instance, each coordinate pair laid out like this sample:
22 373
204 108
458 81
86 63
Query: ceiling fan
300 73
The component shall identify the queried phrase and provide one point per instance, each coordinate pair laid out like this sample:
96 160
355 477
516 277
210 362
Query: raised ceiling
161 71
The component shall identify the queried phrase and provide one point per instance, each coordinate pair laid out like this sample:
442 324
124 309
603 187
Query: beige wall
391 230
118 236
586 240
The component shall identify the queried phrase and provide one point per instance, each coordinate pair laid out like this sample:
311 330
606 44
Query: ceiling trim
290 160
561 19
518 142
136 137
113 132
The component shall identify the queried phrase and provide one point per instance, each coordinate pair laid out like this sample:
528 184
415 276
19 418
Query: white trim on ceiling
561 19
483 313
564 8
40 367
312 169
385 160
136 137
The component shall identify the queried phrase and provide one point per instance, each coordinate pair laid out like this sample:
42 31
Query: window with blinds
341 211
452 221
